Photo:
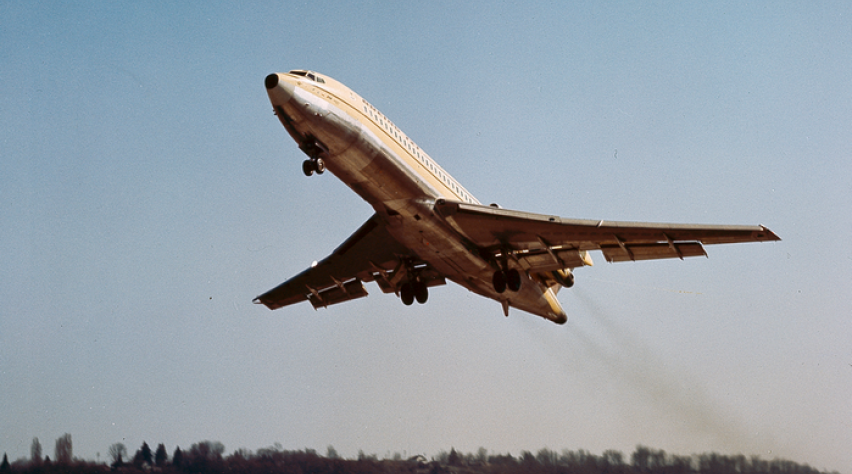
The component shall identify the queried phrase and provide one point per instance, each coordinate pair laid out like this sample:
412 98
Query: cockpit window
309 75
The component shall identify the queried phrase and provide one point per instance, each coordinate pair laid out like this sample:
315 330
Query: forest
209 457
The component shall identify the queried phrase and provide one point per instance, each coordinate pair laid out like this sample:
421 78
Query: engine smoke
670 392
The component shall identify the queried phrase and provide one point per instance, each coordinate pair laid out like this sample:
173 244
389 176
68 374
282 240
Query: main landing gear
506 279
314 165
414 290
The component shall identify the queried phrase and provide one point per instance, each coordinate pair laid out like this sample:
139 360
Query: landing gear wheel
307 167
314 165
513 280
499 281
421 292
406 294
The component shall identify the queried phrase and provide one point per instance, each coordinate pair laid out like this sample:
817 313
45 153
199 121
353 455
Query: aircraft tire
421 292
499 281
319 165
406 294
513 280
307 167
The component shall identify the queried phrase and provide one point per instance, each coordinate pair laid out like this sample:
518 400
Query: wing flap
552 259
653 251
350 290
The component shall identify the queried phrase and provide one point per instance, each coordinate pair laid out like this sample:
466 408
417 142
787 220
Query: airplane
427 228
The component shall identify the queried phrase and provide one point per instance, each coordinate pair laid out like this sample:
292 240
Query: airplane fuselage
427 228
353 140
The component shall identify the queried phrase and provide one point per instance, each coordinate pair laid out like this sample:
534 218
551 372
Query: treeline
208 457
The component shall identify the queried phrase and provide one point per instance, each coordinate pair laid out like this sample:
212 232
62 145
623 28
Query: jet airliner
427 228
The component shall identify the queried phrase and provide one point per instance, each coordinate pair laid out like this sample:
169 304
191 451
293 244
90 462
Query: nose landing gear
314 165
315 150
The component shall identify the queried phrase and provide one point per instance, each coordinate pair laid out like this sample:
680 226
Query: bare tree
63 453
641 458
204 454
35 452
117 452
331 453
612 457
207 450
657 460
546 457
482 455
681 464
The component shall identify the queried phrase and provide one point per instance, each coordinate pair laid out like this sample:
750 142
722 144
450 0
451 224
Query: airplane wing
543 243
367 254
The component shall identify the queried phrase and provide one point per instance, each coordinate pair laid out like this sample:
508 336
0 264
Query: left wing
543 243
366 254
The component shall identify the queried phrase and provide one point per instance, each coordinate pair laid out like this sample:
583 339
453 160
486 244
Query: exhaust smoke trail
671 393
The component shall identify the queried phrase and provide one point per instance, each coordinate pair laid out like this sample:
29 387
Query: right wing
542 243
368 254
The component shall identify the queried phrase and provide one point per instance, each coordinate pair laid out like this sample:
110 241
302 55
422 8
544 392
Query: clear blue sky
147 194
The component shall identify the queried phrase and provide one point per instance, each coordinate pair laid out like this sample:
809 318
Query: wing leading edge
565 241
369 251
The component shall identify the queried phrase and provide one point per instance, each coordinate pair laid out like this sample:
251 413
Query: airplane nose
271 81
279 89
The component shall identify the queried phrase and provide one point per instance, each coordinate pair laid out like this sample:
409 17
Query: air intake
271 81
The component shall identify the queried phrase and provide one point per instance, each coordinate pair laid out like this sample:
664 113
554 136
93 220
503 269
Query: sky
148 193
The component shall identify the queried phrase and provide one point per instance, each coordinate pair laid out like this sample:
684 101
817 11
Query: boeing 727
427 228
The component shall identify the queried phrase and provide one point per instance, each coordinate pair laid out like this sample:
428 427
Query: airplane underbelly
356 155
443 248
381 178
